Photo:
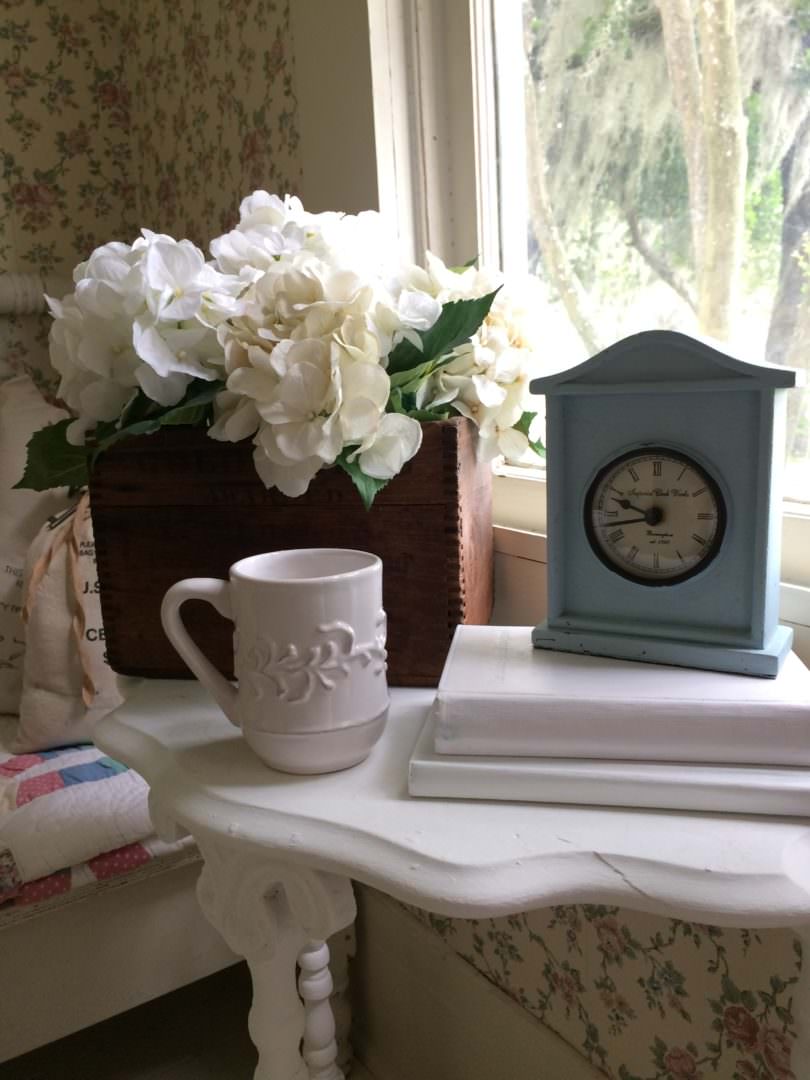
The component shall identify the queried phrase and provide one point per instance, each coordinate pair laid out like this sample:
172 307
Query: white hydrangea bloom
306 346
272 229
132 323
394 443
269 227
301 417
276 471
366 389
488 379
297 317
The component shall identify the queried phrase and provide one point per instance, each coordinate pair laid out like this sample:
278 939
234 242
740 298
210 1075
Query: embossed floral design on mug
309 654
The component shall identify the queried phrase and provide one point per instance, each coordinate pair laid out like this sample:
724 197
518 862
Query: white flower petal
398 439
99 299
513 444
489 392
291 480
418 310
103 399
319 438
165 390
151 347
359 418
76 431
170 264
369 381
236 418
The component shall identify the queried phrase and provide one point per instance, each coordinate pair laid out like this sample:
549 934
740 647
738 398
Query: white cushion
22 513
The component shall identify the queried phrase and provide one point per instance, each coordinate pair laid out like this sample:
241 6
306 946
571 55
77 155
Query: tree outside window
668 162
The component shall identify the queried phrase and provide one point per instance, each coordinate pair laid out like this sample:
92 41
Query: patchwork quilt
70 818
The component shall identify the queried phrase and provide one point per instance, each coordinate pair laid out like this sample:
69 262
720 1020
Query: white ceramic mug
309 654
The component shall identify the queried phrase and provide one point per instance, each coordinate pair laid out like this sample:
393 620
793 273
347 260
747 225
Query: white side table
281 851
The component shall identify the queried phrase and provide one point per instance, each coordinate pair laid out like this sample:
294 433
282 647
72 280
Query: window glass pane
665 155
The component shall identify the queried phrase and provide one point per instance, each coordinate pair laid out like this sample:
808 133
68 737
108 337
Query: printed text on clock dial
655 515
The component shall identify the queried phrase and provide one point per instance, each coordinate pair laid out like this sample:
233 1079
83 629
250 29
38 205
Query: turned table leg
315 987
276 1018
278 916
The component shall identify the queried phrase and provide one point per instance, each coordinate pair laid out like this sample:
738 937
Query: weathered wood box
177 504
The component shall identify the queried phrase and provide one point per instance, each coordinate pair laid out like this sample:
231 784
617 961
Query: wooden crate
177 504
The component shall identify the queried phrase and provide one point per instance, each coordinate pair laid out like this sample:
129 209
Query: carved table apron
281 852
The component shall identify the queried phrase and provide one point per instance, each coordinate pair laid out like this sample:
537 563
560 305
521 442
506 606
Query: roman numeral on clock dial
655 516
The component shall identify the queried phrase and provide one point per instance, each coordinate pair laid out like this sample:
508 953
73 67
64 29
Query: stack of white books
513 722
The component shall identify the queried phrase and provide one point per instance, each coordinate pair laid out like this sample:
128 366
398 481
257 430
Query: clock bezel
646 449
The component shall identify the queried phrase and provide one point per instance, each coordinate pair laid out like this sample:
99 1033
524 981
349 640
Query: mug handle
217 593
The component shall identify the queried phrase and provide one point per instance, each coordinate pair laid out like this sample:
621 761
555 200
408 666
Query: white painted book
500 696
742 789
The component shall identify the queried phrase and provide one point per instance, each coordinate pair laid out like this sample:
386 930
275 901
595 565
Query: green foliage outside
618 185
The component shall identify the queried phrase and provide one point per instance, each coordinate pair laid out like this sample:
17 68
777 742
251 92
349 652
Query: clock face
655 516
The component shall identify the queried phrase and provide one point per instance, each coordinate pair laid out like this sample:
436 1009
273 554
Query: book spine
652 786
722 732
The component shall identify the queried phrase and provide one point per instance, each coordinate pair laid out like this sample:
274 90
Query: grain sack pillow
22 513
67 683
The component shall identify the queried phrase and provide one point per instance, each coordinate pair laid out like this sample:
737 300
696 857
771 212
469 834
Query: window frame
429 150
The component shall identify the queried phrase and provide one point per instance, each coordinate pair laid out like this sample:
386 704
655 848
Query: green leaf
403 357
405 404
523 425
401 379
103 441
139 407
367 486
199 392
408 382
457 323
188 416
192 410
54 462
428 415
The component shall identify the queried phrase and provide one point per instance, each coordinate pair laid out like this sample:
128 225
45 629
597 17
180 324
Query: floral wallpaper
210 87
164 115
139 113
66 148
721 1003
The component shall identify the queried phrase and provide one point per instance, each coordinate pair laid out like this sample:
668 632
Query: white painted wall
335 114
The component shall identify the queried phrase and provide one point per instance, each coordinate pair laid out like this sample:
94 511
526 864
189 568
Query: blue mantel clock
664 516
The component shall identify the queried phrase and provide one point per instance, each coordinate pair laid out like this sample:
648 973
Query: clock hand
625 504
653 516
627 521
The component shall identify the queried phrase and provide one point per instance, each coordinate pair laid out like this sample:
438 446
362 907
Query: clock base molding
764 663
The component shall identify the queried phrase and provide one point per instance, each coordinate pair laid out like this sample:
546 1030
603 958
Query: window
655 155
599 176
664 183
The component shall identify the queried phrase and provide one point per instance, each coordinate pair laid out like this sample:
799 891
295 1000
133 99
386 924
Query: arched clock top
663 360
